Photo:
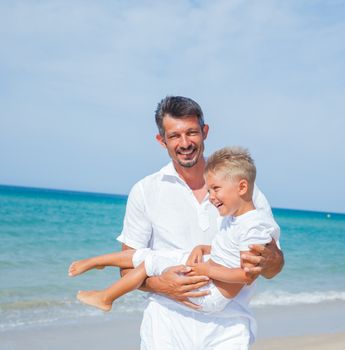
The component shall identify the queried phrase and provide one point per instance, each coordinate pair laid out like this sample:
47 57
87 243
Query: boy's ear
161 140
242 187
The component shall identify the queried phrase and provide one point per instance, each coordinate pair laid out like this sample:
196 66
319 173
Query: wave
33 304
272 298
131 302
26 313
23 313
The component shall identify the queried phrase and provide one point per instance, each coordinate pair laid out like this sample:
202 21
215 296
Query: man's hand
268 260
174 284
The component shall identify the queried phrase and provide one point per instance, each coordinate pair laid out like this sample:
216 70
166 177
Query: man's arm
268 260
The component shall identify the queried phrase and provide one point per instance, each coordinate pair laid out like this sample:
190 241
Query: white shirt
163 213
237 233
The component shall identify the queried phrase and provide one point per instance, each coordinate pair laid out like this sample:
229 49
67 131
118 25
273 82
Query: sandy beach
125 336
316 327
316 342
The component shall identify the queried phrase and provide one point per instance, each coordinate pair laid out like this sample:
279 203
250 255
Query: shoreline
300 320
313 326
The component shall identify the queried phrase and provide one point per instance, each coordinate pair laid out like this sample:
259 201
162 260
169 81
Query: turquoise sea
43 231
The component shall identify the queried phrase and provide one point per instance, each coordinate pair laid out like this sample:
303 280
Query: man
170 210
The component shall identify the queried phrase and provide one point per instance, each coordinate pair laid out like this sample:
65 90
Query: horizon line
107 194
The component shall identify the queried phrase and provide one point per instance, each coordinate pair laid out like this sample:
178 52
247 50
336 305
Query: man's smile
187 152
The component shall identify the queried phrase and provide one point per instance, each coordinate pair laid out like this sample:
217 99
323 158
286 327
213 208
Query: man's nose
185 141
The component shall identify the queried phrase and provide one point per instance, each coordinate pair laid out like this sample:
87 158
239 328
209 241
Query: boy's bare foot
94 298
81 266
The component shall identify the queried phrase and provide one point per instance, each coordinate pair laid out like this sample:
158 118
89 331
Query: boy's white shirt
236 234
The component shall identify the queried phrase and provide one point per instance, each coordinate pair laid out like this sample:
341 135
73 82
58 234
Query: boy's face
225 194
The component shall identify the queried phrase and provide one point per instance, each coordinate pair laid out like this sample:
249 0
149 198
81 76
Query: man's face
184 139
224 193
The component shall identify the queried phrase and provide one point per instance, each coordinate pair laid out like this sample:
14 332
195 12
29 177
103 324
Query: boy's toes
72 269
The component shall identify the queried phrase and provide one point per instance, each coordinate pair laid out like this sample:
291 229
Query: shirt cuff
130 243
244 247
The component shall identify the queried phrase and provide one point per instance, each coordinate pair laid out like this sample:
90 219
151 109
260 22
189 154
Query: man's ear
242 187
205 131
161 140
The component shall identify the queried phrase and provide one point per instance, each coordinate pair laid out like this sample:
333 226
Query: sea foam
274 297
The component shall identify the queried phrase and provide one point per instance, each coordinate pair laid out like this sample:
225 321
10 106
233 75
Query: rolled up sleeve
137 227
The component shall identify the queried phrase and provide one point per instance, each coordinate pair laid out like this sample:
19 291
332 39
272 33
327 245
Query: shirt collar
226 221
169 173
169 170
235 220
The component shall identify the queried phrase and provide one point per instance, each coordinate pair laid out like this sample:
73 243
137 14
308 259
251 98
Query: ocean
43 231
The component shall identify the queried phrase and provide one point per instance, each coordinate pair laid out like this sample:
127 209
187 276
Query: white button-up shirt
163 213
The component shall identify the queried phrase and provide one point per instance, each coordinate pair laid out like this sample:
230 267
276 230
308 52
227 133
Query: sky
80 81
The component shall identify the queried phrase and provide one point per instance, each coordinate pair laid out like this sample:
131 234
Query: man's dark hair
177 107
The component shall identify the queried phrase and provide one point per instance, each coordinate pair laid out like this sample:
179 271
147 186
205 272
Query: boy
230 174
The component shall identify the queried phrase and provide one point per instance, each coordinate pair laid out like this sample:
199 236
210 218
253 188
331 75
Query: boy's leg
121 259
103 299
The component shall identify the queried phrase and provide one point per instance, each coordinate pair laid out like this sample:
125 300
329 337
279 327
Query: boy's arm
197 253
222 273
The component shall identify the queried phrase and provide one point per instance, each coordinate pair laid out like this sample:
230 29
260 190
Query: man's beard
191 162
188 163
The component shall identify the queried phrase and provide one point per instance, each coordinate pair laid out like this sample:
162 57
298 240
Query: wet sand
307 327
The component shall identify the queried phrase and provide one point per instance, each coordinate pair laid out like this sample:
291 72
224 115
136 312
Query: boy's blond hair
234 163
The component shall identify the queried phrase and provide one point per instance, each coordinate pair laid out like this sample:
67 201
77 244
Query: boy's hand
201 269
195 256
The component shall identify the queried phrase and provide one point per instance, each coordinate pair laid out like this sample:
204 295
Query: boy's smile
224 193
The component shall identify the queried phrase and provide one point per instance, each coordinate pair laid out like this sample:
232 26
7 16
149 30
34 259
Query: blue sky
80 81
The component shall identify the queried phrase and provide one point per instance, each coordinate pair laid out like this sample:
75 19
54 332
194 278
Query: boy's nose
211 197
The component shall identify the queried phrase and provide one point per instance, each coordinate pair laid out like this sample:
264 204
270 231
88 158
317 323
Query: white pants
172 328
156 261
